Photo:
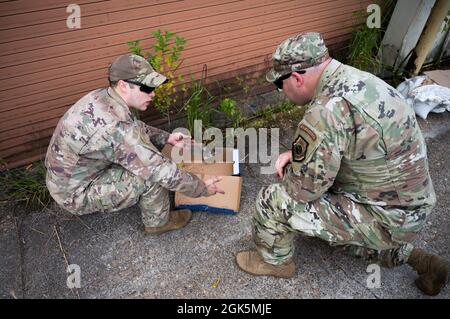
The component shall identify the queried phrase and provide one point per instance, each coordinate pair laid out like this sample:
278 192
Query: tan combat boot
252 263
177 219
433 271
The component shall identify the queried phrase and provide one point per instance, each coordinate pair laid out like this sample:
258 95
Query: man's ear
299 79
122 85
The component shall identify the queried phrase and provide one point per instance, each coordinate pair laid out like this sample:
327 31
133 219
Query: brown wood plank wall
45 67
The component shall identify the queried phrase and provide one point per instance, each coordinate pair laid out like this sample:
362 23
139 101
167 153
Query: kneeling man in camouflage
101 158
357 175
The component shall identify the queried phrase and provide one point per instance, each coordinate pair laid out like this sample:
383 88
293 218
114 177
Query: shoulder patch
299 147
308 131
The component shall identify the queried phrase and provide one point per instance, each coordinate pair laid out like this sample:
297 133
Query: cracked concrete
118 261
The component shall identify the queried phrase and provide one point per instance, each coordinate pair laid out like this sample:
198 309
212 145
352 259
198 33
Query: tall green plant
365 43
364 48
164 56
229 107
199 105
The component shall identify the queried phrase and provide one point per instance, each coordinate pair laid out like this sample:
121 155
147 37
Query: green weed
25 186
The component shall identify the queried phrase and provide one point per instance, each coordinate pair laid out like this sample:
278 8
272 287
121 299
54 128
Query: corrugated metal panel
46 67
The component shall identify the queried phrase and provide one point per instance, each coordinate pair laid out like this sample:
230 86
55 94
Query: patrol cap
297 53
134 67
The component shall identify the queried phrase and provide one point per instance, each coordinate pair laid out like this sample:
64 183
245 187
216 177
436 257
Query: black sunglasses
144 88
279 82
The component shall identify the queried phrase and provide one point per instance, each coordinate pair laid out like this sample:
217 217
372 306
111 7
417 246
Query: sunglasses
279 82
144 88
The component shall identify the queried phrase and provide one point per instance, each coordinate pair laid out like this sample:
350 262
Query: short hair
316 67
113 84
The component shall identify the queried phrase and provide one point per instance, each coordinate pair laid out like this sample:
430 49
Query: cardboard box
227 166
441 77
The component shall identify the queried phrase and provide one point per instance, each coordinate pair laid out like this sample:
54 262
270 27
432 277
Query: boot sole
159 232
272 275
162 231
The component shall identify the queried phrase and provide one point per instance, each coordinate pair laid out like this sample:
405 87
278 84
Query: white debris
423 97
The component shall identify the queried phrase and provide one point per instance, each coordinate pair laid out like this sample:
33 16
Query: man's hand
283 159
180 140
212 187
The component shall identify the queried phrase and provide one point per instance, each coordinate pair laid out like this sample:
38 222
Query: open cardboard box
205 168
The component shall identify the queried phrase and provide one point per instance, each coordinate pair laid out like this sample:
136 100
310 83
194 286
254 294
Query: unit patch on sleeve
299 149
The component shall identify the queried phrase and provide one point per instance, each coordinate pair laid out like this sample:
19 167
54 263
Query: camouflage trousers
363 230
117 189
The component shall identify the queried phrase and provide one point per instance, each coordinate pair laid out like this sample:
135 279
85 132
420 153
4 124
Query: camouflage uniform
101 158
359 176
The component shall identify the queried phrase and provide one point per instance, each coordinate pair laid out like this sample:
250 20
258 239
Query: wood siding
45 67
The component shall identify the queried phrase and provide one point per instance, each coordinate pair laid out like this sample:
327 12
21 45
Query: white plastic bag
425 98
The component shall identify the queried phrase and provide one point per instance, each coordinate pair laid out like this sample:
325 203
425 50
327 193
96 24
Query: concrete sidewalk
118 261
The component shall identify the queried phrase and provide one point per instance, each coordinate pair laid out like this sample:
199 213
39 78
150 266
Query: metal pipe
426 41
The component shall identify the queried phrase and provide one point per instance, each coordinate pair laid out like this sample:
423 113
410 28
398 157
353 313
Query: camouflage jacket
100 131
360 138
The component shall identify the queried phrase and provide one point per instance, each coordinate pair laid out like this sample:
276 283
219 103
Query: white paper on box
236 170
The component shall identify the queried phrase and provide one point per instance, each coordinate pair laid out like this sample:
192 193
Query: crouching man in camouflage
357 175
101 158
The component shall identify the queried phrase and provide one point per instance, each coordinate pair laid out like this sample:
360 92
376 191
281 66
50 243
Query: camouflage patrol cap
134 67
296 53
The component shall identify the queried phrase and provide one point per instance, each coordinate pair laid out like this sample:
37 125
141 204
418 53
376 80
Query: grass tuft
25 185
